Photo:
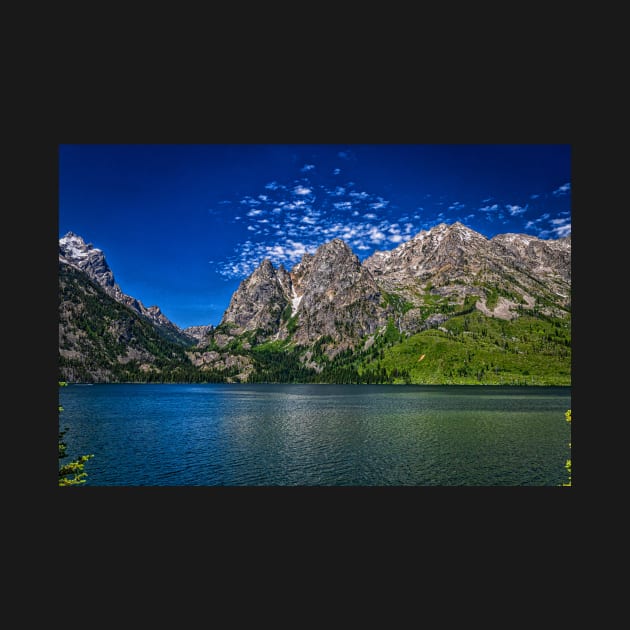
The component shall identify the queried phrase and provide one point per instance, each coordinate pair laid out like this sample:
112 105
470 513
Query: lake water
318 435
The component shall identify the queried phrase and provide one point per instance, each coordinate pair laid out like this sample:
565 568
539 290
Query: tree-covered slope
102 340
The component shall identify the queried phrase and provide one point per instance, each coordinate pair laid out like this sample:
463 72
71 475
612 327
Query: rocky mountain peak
337 297
89 259
258 301
74 251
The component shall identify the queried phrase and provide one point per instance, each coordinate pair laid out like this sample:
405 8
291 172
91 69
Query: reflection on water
318 435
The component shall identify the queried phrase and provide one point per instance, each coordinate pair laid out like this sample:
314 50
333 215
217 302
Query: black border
437 117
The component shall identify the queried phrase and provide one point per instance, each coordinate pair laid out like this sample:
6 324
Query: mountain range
447 306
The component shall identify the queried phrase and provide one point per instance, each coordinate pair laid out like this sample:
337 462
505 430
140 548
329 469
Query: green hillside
473 349
467 349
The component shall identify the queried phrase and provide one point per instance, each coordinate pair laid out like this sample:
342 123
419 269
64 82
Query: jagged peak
337 244
265 268
75 244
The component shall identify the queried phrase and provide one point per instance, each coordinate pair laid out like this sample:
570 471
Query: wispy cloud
515 210
562 230
359 195
565 189
336 171
290 219
545 227
302 190
558 222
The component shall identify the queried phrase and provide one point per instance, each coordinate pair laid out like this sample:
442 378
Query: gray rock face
442 254
338 296
453 262
198 332
547 259
74 251
330 293
258 302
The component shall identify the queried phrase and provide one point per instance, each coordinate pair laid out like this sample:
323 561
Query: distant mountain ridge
335 318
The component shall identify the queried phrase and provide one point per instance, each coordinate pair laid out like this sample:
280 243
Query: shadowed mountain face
74 251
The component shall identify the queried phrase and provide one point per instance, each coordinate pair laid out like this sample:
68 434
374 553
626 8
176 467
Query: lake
318 435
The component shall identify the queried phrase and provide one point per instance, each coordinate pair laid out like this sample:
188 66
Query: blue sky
182 225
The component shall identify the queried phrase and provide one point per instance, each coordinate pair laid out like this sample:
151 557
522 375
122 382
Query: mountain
447 306
328 294
198 332
74 251
102 339
486 310
449 264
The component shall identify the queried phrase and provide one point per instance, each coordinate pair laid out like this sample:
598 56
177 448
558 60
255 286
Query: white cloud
307 167
359 195
379 204
376 236
457 206
343 205
337 171
297 227
515 210
302 190
558 221
492 208
565 189
534 196
562 230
